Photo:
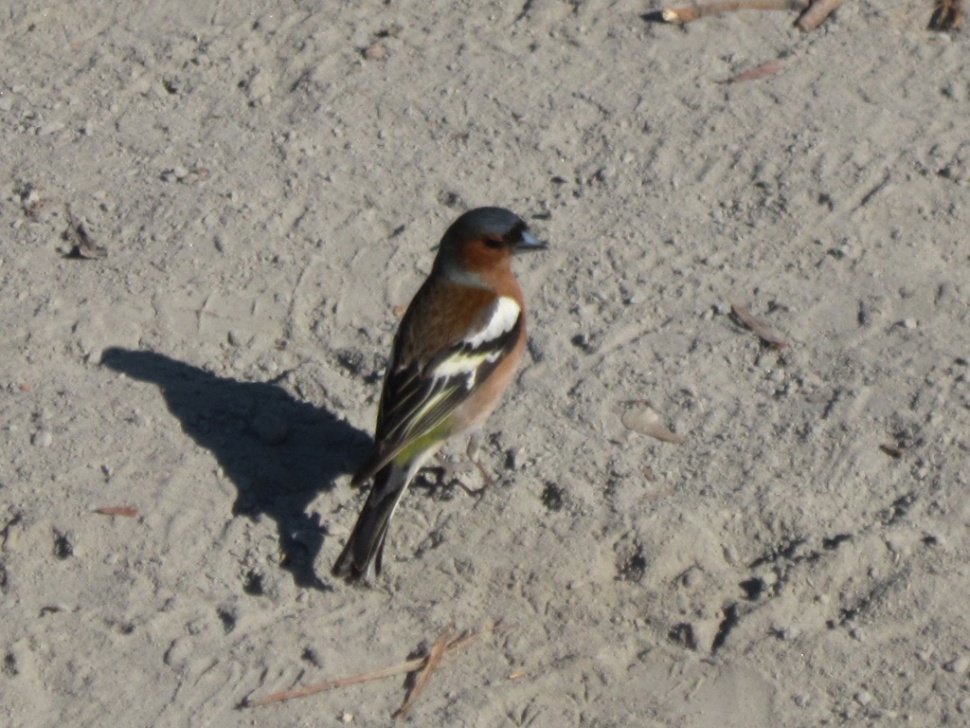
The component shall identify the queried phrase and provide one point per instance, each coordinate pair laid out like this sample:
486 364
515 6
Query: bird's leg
474 445
451 473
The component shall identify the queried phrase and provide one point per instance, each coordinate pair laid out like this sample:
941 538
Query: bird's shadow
279 452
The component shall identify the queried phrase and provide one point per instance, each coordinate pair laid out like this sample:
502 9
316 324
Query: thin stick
126 511
687 13
817 13
435 654
371 675
755 73
759 326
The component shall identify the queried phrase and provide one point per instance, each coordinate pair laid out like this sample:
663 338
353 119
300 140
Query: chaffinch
454 354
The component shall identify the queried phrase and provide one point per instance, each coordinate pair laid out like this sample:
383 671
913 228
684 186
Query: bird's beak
528 242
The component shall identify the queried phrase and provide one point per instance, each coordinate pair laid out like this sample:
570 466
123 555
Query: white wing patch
467 364
505 315
503 318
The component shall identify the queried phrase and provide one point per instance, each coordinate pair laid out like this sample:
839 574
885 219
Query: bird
455 352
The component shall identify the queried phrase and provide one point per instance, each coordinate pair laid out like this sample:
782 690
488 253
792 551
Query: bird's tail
366 543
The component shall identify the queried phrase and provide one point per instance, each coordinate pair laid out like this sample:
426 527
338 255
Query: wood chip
375 52
641 417
757 324
126 511
893 451
816 14
403 668
693 11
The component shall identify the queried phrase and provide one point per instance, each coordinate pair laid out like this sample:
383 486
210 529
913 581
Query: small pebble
178 653
42 438
958 665
49 128
910 323
863 697
376 52
692 577
582 341
347 717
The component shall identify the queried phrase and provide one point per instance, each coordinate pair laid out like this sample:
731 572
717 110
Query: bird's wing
419 394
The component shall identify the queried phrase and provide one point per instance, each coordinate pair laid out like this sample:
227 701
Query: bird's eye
493 244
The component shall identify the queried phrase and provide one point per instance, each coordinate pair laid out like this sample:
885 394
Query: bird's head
485 239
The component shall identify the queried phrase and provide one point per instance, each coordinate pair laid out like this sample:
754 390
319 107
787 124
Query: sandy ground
268 194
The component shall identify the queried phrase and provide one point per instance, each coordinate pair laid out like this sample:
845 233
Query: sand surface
268 194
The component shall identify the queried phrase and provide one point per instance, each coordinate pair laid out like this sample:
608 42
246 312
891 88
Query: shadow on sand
278 480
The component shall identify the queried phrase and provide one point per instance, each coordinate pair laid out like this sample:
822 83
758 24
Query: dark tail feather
366 543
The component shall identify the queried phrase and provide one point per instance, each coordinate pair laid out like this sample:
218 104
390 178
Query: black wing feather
408 389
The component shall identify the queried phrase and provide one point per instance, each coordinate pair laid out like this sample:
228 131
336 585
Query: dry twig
762 70
405 667
758 325
435 654
126 511
817 13
693 11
